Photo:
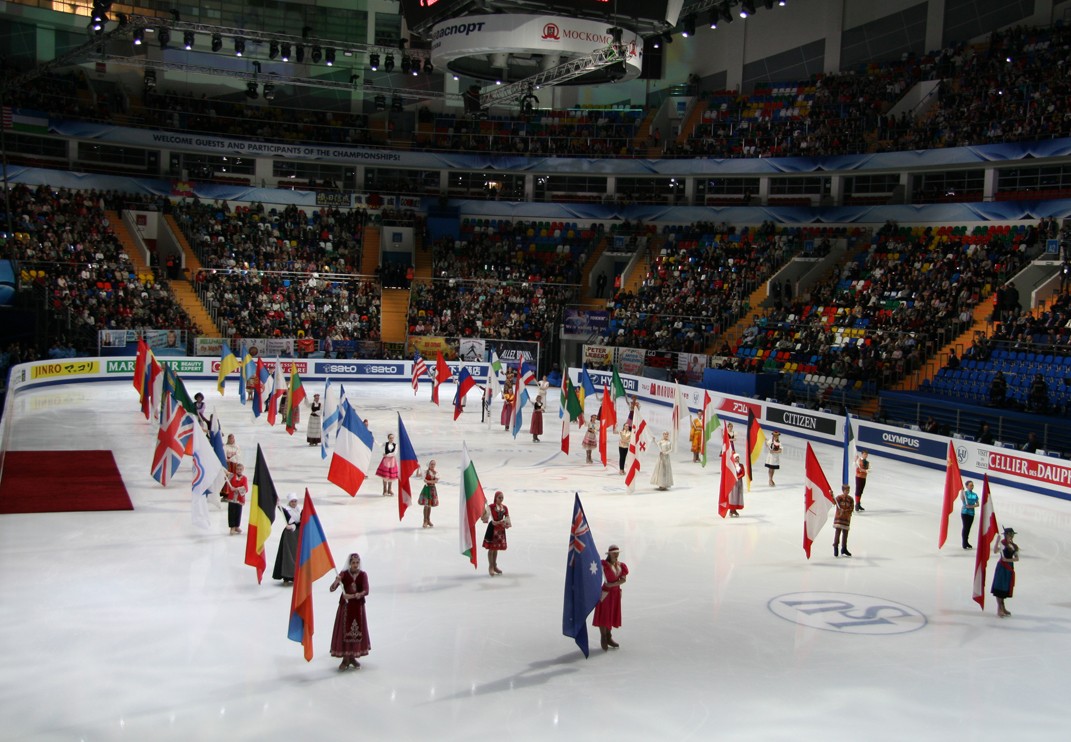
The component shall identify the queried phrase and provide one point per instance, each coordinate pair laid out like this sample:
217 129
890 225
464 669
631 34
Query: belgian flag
261 515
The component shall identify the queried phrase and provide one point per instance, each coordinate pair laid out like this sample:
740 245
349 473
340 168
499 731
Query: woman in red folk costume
350 640
608 611
495 538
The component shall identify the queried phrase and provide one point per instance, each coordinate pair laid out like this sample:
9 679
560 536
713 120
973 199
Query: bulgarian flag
987 534
953 486
294 397
472 502
817 500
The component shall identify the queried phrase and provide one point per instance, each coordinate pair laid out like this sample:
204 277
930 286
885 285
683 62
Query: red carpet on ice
60 482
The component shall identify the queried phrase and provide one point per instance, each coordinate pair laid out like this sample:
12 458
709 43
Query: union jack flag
174 435
419 369
577 542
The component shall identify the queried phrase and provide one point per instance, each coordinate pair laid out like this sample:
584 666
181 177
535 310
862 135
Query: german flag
261 515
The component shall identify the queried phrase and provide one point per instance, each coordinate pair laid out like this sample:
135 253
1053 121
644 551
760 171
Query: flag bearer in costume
235 490
736 495
388 466
842 520
862 468
662 476
1004 575
773 455
507 405
286 557
591 437
429 496
536 428
314 432
623 440
495 538
695 437
349 640
608 611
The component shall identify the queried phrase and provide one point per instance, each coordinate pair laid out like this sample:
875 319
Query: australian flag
583 579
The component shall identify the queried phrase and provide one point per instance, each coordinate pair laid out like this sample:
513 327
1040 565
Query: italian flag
472 504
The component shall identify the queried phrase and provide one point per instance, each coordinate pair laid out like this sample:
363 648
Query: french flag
352 457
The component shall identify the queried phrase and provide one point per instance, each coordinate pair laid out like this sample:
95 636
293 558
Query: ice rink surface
135 625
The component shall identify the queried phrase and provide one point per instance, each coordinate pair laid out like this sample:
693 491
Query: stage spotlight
317 54
305 31
407 65
187 39
269 91
284 52
299 54
688 26
381 102
251 90
615 71
256 66
428 66
175 15
667 38
388 63
329 57
163 37
768 4
239 46
747 8
150 79
725 13
656 42
353 79
217 42
123 18
100 19
615 34
373 62
396 104
139 37
273 49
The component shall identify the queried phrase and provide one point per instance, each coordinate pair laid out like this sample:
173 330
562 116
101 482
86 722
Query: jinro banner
428 345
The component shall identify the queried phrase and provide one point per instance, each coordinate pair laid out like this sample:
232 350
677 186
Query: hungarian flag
352 459
294 398
464 386
407 466
420 367
607 420
953 486
442 374
278 389
711 422
228 363
472 505
756 441
140 362
636 445
817 500
261 515
987 534
313 562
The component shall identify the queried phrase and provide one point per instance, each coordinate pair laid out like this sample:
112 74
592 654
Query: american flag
176 432
419 369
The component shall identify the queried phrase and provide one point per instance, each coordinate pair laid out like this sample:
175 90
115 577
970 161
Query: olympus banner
527 34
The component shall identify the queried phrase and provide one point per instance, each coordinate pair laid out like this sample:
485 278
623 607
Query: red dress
608 610
495 538
350 637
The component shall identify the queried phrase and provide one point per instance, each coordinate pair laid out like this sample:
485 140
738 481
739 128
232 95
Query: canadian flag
636 446
817 500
